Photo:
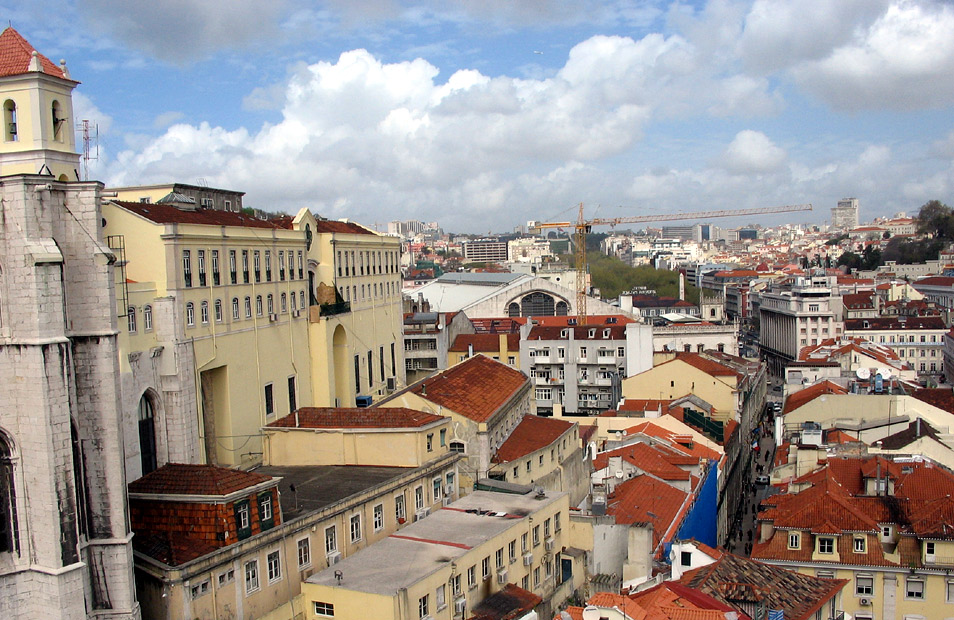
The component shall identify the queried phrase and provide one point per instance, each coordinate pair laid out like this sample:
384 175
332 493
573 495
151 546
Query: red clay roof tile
532 434
183 479
16 54
161 213
351 417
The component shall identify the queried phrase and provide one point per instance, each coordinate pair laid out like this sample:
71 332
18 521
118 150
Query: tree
850 260
935 219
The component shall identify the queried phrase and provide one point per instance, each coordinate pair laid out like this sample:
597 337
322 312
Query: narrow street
743 533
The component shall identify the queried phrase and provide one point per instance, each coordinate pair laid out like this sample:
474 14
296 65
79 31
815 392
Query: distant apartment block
485 251
845 215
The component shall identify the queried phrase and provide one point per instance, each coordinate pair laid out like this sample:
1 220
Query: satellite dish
863 373
591 613
885 373
619 474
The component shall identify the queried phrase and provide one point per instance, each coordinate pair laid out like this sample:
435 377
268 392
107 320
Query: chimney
470 350
423 389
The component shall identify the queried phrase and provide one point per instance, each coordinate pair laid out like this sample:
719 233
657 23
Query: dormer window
794 540
859 544
826 544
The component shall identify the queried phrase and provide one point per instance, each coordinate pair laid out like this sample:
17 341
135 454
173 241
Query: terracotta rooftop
532 434
350 228
171 550
161 213
609 600
801 397
633 501
16 54
901 323
679 442
509 602
917 429
705 364
585 332
353 417
654 460
182 479
671 600
942 398
739 582
484 343
475 388
934 281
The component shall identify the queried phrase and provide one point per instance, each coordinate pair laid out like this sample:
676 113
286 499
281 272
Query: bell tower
65 543
36 96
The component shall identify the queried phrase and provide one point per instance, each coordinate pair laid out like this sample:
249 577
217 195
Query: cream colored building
443 566
371 436
355 318
332 513
217 323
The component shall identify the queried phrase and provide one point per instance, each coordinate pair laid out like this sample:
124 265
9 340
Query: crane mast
582 226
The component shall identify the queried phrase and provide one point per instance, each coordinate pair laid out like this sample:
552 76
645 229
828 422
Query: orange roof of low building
609 600
676 440
16 53
354 417
650 459
532 434
475 388
644 499
185 479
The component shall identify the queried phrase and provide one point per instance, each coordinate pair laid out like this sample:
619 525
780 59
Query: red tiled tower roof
16 54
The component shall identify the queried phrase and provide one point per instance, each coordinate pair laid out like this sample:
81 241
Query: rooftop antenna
339 576
88 139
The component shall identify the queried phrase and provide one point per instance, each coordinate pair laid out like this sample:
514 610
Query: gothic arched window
8 512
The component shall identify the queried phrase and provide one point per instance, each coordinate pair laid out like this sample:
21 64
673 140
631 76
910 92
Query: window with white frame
864 585
331 540
859 544
251 577
218 310
147 318
325 610
235 308
418 498
378 513
440 597
355 527
437 487
794 540
471 577
826 544
914 588
400 510
422 608
204 312
190 314
273 564
304 553
131 319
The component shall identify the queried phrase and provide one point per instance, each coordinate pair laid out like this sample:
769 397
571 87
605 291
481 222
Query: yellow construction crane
582 226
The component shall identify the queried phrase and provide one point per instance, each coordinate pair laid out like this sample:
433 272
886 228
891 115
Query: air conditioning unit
549 542
334 557
864 602
272 317
527 559
420 514
391 384
446 501
502 576
459 605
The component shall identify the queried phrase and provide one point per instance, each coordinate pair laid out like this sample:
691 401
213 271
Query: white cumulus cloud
752 152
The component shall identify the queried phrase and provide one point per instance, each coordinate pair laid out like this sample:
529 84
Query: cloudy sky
482 115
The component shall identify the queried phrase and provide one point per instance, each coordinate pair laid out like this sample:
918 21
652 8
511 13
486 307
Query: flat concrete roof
322 485
428 545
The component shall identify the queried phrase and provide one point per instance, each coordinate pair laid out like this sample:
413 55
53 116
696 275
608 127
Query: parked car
762 480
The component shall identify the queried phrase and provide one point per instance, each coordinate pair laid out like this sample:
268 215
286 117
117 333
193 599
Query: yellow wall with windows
676 379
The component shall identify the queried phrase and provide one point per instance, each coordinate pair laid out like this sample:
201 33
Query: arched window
301 299
248 307
10 121
537 304
204 310
561 308
293 305
235 309
8 503
190 314
513 310
284 303
258 305
218 310
147 318
131 319
271 304
58 122
147 435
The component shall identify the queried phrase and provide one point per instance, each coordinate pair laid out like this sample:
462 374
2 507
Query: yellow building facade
218 301
446 564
